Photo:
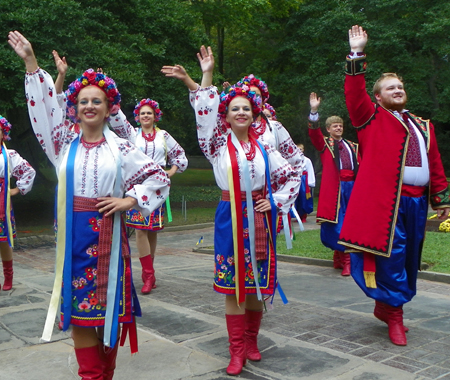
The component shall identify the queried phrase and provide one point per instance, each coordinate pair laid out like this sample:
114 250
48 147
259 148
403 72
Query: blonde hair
377 85
332 120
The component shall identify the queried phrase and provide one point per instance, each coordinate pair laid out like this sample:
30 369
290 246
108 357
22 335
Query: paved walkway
326 331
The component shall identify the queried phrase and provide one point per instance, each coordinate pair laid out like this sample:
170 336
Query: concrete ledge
188 227
423 275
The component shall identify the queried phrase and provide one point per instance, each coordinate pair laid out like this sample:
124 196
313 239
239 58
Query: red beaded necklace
90 145
149 136
261 128
249 149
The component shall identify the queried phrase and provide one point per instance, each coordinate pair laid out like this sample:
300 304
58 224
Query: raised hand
225 85
180 73
206 59
314 102
60 63
357 38
23 49
177 71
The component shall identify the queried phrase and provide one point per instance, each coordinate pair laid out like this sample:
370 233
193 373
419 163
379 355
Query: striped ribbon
7 195
114 291
272 221
250 209
64 240
236 221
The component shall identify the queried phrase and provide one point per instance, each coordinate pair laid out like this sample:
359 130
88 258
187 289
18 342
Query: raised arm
179 72
23 49
206 60
357 39
315 134
314 102
61 66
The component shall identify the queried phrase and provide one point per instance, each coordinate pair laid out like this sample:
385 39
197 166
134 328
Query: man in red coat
400 169
339 168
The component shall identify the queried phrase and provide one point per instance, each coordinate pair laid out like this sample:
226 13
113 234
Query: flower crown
92 78
251 80
151 103
231 92
6 128
267 106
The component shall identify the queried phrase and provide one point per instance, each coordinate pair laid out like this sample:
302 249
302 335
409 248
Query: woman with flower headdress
256 182
269 111
95 168
10 164
162 148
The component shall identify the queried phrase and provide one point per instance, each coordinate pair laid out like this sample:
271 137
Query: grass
198 188
307 244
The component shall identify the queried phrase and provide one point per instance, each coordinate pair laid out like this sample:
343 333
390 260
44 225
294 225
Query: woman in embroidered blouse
240 163
162 148
95 168
10 164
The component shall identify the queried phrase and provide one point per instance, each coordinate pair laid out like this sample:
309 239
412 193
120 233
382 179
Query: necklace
149 136
89 145
249 149
260 127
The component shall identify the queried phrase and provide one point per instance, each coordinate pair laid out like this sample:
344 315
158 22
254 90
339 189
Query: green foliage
296 46
308 244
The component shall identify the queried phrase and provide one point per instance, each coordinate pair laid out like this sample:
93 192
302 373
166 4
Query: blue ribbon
67 272
274 214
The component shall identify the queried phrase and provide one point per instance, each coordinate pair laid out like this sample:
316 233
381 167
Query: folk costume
339 169
304 203
244 240
11 164
95 274
397 176
163 149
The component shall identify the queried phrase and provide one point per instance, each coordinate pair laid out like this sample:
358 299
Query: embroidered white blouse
95 168
20 169
212 137
163 148
276 135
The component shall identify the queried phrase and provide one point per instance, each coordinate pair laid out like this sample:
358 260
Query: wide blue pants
396 276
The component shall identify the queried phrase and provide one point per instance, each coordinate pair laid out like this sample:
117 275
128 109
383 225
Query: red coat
330 188
372 211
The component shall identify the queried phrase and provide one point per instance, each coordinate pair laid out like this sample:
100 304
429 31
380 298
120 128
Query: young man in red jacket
339 168
400 169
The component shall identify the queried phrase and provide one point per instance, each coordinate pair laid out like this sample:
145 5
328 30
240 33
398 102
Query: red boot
8 273
345 260
337 260
236 330
108 357
252 323
395 325
90 365
148 274
380 312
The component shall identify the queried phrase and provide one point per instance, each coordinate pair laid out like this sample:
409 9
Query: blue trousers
396 276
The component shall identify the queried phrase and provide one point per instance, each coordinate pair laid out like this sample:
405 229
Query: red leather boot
89 362
236 330
8 273
380 312
108 357
148 274
252 323
345 260
395 325
337 260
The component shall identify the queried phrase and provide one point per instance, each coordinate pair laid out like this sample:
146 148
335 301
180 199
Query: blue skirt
154 222
87 310
224 269
303 205
396 276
